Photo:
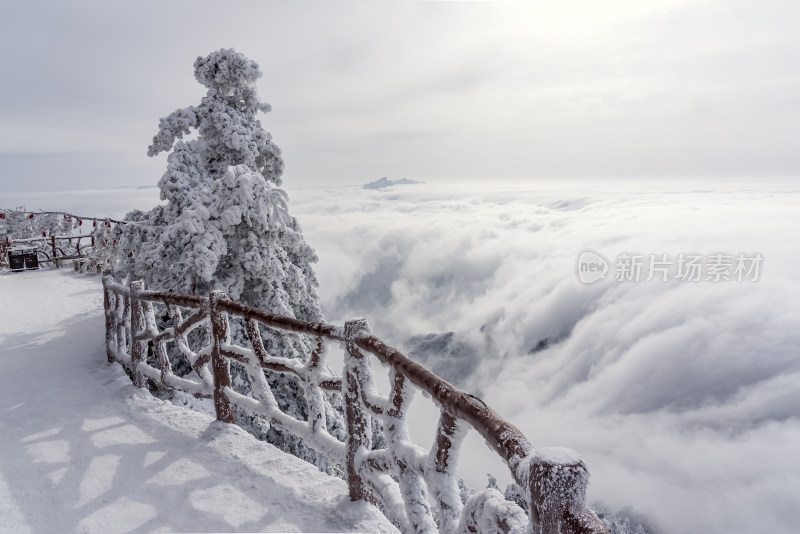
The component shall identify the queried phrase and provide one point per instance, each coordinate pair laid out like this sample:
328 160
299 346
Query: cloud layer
683 397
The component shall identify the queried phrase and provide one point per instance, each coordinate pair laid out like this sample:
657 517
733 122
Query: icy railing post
557 480
219 364
123 326
111 327
138 346
358 421
316 400
56 261
449 435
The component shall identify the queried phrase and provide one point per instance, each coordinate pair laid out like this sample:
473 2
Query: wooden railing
52 248
416 488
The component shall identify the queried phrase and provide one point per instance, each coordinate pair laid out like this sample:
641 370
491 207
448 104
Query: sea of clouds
683 397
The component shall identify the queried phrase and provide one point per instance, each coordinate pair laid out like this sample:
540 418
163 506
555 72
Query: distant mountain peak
385 182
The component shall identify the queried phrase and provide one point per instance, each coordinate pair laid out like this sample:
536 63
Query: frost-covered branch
171 128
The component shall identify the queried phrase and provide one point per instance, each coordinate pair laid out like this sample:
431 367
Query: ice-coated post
56 261
138 347
557 484
110 326
124 327
358 421
219 364
449 435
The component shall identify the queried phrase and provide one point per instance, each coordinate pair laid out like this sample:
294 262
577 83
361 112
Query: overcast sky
432 91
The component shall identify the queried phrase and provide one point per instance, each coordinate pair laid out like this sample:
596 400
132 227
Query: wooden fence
53 249
416 488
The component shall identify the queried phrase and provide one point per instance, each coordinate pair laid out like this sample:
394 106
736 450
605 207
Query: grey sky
424 90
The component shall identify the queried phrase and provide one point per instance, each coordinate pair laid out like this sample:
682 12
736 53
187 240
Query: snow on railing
416 488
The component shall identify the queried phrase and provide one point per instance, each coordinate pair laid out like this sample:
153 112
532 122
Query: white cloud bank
683 397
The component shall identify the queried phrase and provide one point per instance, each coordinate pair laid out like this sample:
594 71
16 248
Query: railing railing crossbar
51 252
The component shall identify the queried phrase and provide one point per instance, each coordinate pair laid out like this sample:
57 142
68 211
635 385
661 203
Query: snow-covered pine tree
226 224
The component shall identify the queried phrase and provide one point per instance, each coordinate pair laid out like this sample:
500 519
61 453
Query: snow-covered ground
82 451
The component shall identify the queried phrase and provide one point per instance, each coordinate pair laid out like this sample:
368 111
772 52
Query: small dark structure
22 258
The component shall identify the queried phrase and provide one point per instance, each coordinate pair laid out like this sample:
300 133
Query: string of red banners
30 215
